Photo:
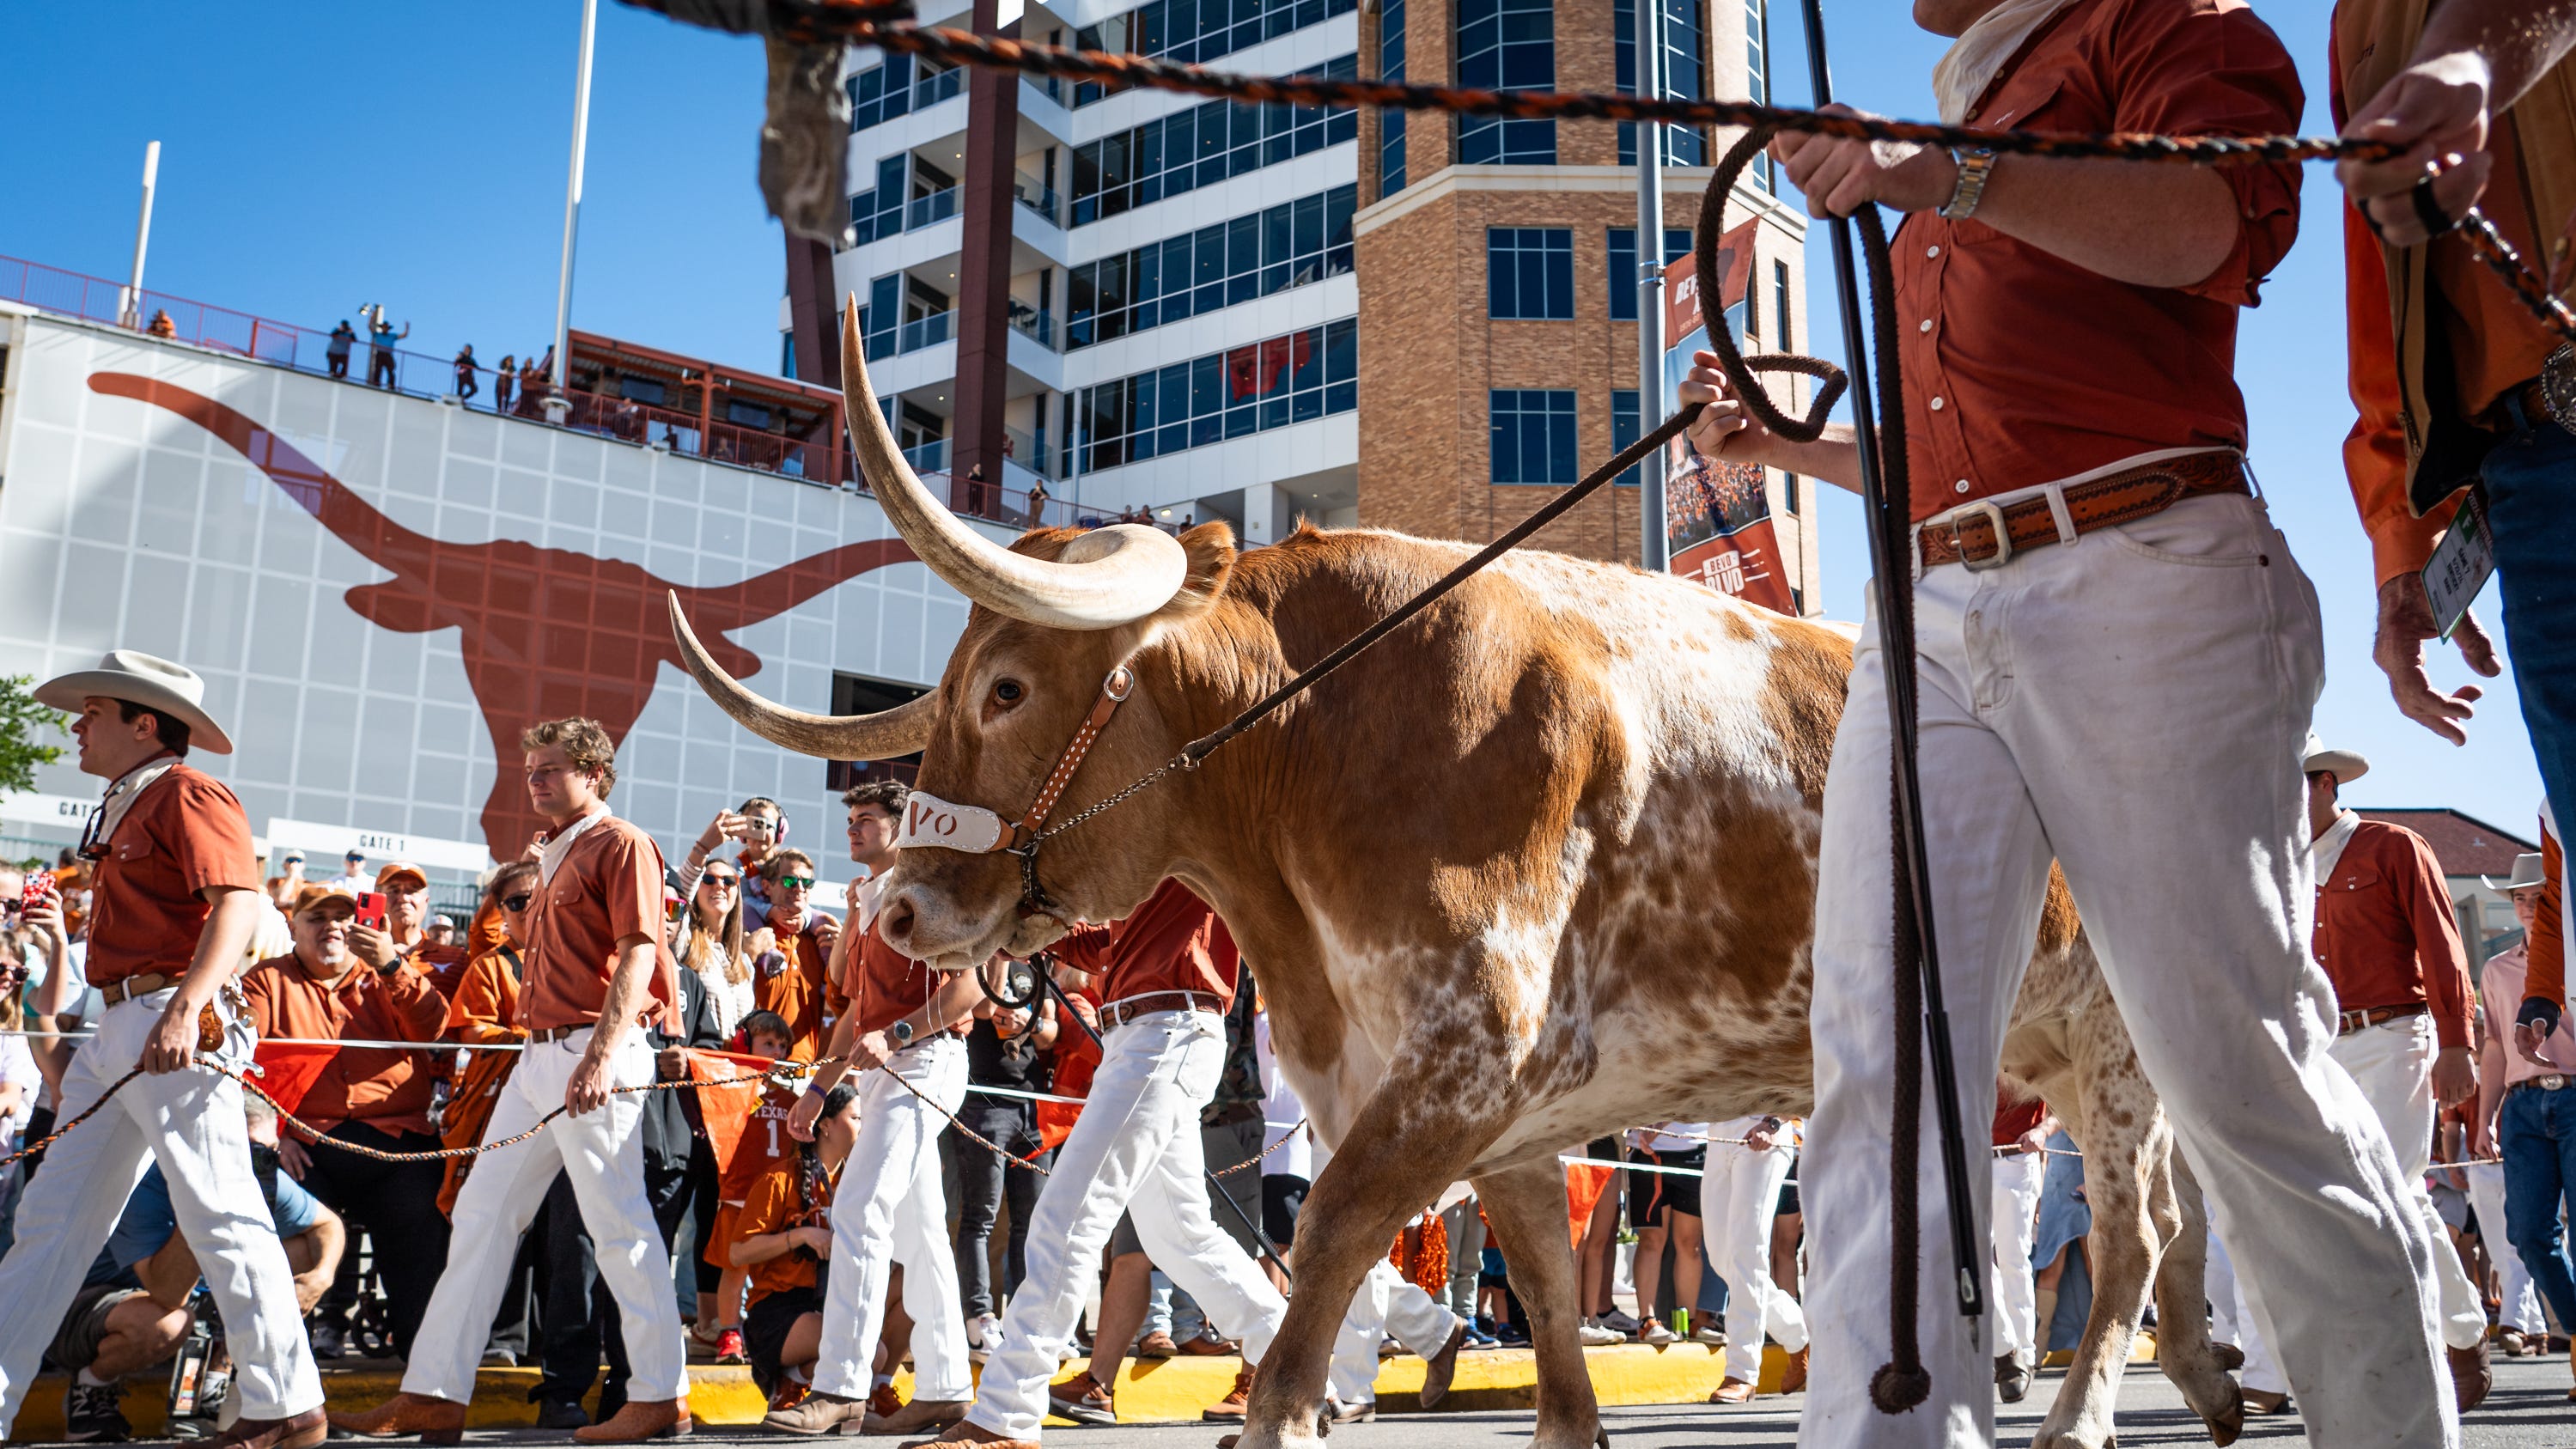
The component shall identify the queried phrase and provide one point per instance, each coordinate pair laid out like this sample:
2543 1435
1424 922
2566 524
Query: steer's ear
1211 551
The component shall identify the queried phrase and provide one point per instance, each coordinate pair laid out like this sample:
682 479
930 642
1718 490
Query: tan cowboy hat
2344 765
139 678
2526 875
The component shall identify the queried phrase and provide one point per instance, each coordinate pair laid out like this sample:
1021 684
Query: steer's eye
1007 691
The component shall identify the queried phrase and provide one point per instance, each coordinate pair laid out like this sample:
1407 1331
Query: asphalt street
2529 1410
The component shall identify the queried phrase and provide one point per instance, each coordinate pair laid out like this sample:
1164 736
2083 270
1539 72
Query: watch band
1975 164
901 1031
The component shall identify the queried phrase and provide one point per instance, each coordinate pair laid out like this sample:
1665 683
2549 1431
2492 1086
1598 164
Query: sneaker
1083 1400
1624 1324
1599 1335
1231 1408
499 1358
329 1341
562 1414
92 1414
1712 1333
1511 1335
1388 1348
789 1395
883 1400
1657 1334
729 1347
983 1337
1479 1338
1157 1345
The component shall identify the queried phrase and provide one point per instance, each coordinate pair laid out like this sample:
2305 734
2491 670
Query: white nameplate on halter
929 820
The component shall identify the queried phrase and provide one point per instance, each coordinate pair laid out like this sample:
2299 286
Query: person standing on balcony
381 338
504 379
466 387
337 354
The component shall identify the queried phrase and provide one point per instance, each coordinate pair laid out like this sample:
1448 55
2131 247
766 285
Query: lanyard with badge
2462 563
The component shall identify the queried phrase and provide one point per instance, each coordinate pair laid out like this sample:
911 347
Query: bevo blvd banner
1717 515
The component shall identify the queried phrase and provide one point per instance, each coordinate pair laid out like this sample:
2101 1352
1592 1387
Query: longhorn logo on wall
1717 516
545 632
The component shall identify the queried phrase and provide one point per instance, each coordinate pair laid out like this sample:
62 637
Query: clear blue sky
325 156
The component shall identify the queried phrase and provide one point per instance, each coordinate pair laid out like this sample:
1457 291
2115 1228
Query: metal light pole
1656 552
572 195
129 308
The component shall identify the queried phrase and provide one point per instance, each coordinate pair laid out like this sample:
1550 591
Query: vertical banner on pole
1717 515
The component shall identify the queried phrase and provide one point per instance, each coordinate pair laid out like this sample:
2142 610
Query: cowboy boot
433 1420
639 1420
302 1431
1441 1367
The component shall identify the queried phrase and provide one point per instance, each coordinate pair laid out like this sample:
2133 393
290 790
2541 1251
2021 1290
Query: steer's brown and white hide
1538 867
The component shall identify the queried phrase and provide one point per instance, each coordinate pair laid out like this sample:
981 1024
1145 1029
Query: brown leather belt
1127 1009
558 1033
1969 534
2365 1017
143 984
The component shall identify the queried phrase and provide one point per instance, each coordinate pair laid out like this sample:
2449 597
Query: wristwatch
901 1031
1975 164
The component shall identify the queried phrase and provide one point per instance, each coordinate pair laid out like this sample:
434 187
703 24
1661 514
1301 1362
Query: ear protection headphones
778 837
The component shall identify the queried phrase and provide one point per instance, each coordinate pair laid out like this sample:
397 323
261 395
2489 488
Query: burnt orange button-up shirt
184 833
608 888
385 1087
1173 942
2384 932
2022 367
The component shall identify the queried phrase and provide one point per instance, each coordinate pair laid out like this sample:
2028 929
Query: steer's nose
897 921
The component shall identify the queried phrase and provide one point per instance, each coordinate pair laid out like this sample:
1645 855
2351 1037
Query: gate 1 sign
1717 516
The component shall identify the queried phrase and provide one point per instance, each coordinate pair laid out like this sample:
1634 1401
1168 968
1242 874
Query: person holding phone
760 826
594 974
391 928
172 909
327 988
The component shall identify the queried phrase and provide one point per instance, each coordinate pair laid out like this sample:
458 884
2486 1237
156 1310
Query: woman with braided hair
783 1240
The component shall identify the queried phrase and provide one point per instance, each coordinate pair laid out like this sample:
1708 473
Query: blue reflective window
1623 266
1303 375
1529 273
1506 45
1533 436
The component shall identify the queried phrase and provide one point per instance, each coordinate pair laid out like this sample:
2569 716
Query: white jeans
892 1207
190 1122
1135 1149
1385 1304
2521 1299
2131 704
2016 1231
1738 1198
602 1152
2392 1064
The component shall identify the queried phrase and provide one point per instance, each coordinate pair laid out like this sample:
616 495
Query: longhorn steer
1538 867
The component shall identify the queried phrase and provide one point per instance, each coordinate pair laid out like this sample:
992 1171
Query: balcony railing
929 210
930 457
1027 450
1037 326
1037 196
927 331
930 90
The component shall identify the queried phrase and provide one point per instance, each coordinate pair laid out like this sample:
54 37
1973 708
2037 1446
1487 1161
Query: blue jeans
2536 1137
2531 501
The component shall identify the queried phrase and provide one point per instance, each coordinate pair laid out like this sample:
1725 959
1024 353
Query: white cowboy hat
2344 765
139 678
2526 874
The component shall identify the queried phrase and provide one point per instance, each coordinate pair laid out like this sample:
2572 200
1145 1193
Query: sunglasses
722 882
517 902
796 882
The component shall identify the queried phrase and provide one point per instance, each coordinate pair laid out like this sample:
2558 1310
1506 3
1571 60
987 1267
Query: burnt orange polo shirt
765 1144
799 991
384 1087
2384 931
2022 367
1173 942
887 985
183 834
608 888
774 1203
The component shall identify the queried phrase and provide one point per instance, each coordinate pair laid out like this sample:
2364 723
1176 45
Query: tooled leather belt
1970 534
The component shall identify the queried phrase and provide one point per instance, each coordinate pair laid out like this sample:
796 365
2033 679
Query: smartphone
371 910
41 890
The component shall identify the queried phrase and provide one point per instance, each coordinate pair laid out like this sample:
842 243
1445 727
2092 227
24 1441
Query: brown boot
1157 1345
1732 1391
302 1431
434 1421
1794 1379
820 1413
962 1432
2471 1376
1230 1409
1083 1400
2262 1401
921 1416
640 1420
1441 1367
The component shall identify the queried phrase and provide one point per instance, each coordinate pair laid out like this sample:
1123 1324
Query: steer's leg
1527 1205
1402 1149
2121 1135
2182 1302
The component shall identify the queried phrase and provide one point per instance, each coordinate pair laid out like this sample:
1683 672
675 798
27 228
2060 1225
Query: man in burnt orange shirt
592 976
2117 660
171 912
369 1096
802 989
2463 394
2405 1029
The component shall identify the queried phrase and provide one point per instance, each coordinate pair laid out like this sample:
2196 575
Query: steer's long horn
885 735
1108 577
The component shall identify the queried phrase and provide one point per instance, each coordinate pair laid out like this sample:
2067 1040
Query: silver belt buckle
2558 386
1993 513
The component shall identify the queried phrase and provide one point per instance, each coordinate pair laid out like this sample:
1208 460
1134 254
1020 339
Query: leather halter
931 821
